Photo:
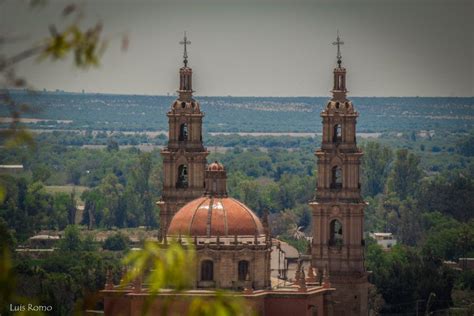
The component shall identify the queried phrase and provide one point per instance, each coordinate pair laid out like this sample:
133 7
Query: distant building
284 260
11 169
461 264
386 240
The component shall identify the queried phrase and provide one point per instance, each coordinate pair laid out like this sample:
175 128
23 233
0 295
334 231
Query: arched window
243 270
340 81
337 135
336 181
182 177
183 132
335 231
207 270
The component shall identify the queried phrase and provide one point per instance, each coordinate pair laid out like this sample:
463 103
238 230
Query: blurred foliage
173 266
87 45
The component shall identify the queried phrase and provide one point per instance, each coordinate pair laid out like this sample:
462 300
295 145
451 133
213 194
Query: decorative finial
338 42
185 53
302 281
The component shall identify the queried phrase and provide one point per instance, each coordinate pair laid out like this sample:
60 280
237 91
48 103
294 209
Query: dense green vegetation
423 196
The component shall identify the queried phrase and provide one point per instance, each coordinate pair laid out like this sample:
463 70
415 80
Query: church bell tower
338 207
184 158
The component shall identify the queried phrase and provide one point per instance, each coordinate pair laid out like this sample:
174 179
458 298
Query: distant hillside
241 114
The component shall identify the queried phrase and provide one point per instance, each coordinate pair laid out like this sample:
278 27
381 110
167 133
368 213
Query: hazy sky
264 48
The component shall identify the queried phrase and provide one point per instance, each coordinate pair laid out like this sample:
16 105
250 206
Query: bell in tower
184 158
338 207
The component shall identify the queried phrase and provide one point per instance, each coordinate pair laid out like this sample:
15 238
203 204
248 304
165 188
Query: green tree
116 242
409 230
375 168
41 173
61 207
405 175
111 191
450 194
72 240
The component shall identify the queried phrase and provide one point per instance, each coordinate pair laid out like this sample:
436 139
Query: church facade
233 246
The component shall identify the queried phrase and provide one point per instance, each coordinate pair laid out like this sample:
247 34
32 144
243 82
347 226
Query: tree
116 242
409 231
141 178
72 239
41 173
93 209
61 207
405 175
375 168
450 194
111 191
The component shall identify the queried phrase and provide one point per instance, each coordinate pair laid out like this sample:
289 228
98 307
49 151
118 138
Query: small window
337 134
243 270
336 181
183 132
207 270
335 231
182 177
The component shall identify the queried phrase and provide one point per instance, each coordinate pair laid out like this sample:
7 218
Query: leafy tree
403 276
141 179
72 239
41 173
405 175
375 168
93 208
450 194
63 203
116 242
111 191
409 230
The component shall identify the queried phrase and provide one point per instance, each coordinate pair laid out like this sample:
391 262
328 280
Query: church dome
215 216
215 166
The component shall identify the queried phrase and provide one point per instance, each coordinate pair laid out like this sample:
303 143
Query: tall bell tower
338 207
184 159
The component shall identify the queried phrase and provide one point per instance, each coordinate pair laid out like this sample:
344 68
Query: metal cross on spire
185 54
338 42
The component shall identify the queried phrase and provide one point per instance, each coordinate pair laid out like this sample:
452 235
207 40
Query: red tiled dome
215 216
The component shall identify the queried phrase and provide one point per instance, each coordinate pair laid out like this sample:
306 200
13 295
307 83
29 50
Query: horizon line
230 96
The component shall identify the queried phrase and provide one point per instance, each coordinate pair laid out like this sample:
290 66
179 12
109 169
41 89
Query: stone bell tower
338 207
184 159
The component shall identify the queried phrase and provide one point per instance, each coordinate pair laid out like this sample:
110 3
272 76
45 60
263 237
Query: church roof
215 216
